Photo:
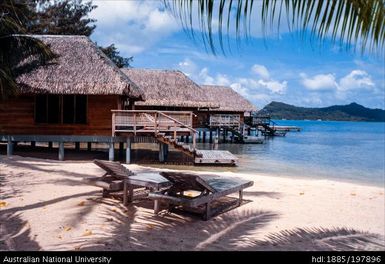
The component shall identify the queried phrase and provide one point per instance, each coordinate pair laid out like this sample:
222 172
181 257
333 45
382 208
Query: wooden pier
214 157
287 128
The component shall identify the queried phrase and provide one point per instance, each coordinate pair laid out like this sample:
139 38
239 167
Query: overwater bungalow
230 115
68 100
171 90
171 109
82 96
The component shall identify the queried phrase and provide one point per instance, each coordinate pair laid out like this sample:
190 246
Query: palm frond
15 46
352 22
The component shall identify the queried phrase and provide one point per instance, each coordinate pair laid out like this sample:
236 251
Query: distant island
350 112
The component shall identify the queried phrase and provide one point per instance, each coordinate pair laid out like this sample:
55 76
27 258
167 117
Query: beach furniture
205 195
119 178
113 178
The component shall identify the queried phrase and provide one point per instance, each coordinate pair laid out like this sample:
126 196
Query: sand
45 206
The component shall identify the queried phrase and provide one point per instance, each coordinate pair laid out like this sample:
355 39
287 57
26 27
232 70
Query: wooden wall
17 118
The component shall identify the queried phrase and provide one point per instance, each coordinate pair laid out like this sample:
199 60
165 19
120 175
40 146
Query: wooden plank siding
17 117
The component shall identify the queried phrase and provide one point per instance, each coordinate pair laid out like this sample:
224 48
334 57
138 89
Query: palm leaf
15 46
351 22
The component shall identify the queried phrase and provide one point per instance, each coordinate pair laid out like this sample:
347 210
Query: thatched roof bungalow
229 100
72 95
168 89
233 106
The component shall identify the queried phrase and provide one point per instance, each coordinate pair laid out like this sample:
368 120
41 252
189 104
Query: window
61 109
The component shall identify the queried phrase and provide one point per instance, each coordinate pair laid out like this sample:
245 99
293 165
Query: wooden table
151 180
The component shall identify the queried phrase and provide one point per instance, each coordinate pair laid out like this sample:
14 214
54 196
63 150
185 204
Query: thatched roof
229 100
81 68
169 88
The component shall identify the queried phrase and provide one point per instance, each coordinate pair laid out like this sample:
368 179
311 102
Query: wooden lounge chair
118 178
211 199
113 179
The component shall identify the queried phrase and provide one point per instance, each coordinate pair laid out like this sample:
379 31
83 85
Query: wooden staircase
166 127
185 148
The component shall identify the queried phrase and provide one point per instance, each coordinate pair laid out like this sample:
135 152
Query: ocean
347 151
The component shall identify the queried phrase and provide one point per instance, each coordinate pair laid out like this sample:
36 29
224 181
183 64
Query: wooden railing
220 120
152 121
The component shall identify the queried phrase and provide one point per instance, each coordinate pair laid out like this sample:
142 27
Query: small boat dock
287 128
215 157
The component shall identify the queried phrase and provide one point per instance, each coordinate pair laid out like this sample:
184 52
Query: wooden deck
225 120
215 157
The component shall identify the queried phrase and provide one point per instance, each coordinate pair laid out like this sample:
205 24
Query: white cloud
356 79
261 71
260 90
188 67
319 82
205 77
134 26
274 86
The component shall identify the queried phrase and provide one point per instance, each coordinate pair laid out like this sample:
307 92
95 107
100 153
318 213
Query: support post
211 137
9 147
77 146
199 136
161 152
224 135
61 151
204 137
240 197
128 150
187 139
33 144
89 146
111 151
125 193
194 140
156 204
165 151
50 145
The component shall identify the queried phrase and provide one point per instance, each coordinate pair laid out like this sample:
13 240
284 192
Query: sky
275 66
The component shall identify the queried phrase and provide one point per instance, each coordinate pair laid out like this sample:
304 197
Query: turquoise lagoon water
348 151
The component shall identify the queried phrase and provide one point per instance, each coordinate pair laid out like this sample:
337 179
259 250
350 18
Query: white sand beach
45 206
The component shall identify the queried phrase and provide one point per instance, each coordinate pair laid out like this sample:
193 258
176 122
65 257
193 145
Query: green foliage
61 17
351 112
15 47
113 53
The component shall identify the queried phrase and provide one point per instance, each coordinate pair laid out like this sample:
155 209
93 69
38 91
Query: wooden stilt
111 152
50 145
33 144
61 151
165 150
204 137
128 150
77 146
161 152
89 146
211 137
9 147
